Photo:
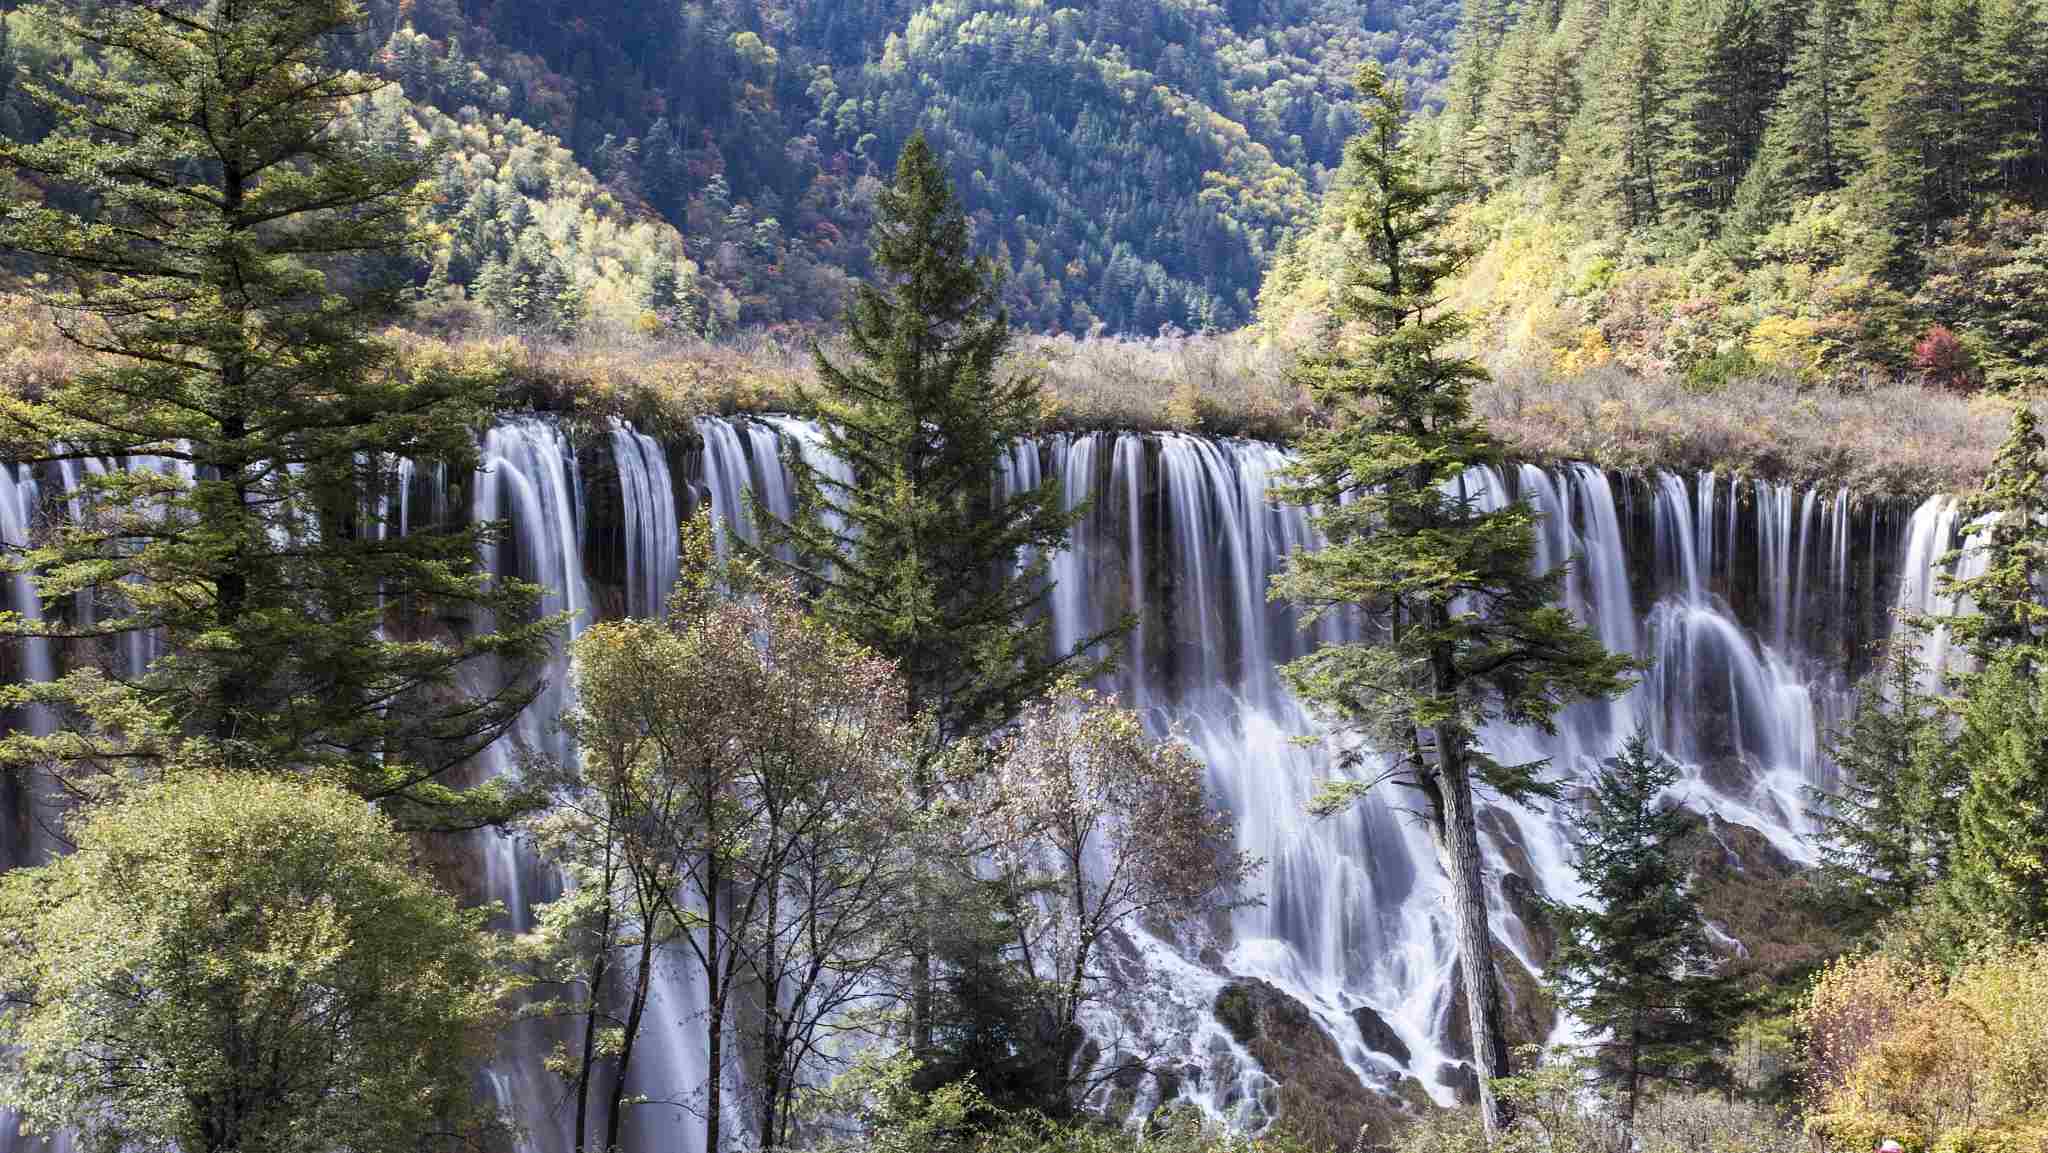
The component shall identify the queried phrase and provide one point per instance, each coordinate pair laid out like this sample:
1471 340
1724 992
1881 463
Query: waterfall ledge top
1895 439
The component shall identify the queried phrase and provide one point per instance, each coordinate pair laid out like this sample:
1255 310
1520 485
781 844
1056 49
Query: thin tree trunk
714 1087
589 1059
920 940
1475 942
716 990
771 1021
231 584
1635 1075
643 978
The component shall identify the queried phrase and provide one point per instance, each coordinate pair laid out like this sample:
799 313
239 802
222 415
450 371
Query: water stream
1754 605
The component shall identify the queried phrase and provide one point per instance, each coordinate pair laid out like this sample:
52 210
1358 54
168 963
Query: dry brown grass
1895 439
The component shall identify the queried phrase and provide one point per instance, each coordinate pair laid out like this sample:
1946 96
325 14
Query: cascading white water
1733 592
651 522
20 497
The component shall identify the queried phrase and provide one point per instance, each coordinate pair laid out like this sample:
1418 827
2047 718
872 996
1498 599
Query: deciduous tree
752 759
1112 828
234 964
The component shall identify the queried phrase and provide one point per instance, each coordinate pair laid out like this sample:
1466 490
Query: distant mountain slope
1133 162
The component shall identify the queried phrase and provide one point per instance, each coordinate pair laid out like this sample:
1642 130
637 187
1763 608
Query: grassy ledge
1897 440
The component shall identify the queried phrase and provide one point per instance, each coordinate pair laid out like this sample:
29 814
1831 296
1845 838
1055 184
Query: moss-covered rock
1531 1010
1752 892
1318 1098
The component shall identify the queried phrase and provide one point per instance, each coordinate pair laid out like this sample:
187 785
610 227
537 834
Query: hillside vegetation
1130 163
1833 191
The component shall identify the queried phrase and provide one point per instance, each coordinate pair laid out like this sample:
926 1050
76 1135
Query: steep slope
1132 163
1707 189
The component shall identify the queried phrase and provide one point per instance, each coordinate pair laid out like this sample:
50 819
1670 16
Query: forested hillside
1129 163
1721 188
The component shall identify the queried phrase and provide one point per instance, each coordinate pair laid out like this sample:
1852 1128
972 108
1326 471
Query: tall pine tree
1717 77
1810 142
2007 613
918 556
1462 630
1888 833
2001 867
227 292
1627 124
1636 965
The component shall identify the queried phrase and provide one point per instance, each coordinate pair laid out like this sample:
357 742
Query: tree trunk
1475 941
1635 1078
921 918
771 1022
716 989
714 1085
643 978
595 983
231 583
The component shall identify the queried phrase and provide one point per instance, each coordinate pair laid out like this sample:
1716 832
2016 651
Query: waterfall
651 521
20 498
1745 600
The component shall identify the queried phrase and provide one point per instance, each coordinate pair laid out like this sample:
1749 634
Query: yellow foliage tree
1955 1065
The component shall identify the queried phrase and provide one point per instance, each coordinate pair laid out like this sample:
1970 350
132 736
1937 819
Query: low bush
1942 1063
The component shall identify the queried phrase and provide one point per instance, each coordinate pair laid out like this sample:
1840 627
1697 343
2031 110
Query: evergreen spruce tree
1716 76
1462 630
918 557
2007 513
1810 143
2001 866
219 290
1636 965
1925 147
1888 833
1461 148
1628 128
2013 70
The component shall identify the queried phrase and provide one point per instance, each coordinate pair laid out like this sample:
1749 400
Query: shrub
1951 1065
1944 361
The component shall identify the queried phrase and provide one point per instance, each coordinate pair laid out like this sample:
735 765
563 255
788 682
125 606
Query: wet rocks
1317 1098
1380 1036
1522 899
1462 1080
1531 1012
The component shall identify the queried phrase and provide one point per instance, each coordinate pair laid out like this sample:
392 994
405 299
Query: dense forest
1826 191
1131 165
982 577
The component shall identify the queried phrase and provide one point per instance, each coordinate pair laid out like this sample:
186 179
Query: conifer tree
918 557
2013 71
1809 145
1926 149
1715 75
1636 964
1481 28
1629 127
1888 832
2001 866
225 292
1463 632
2006 514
